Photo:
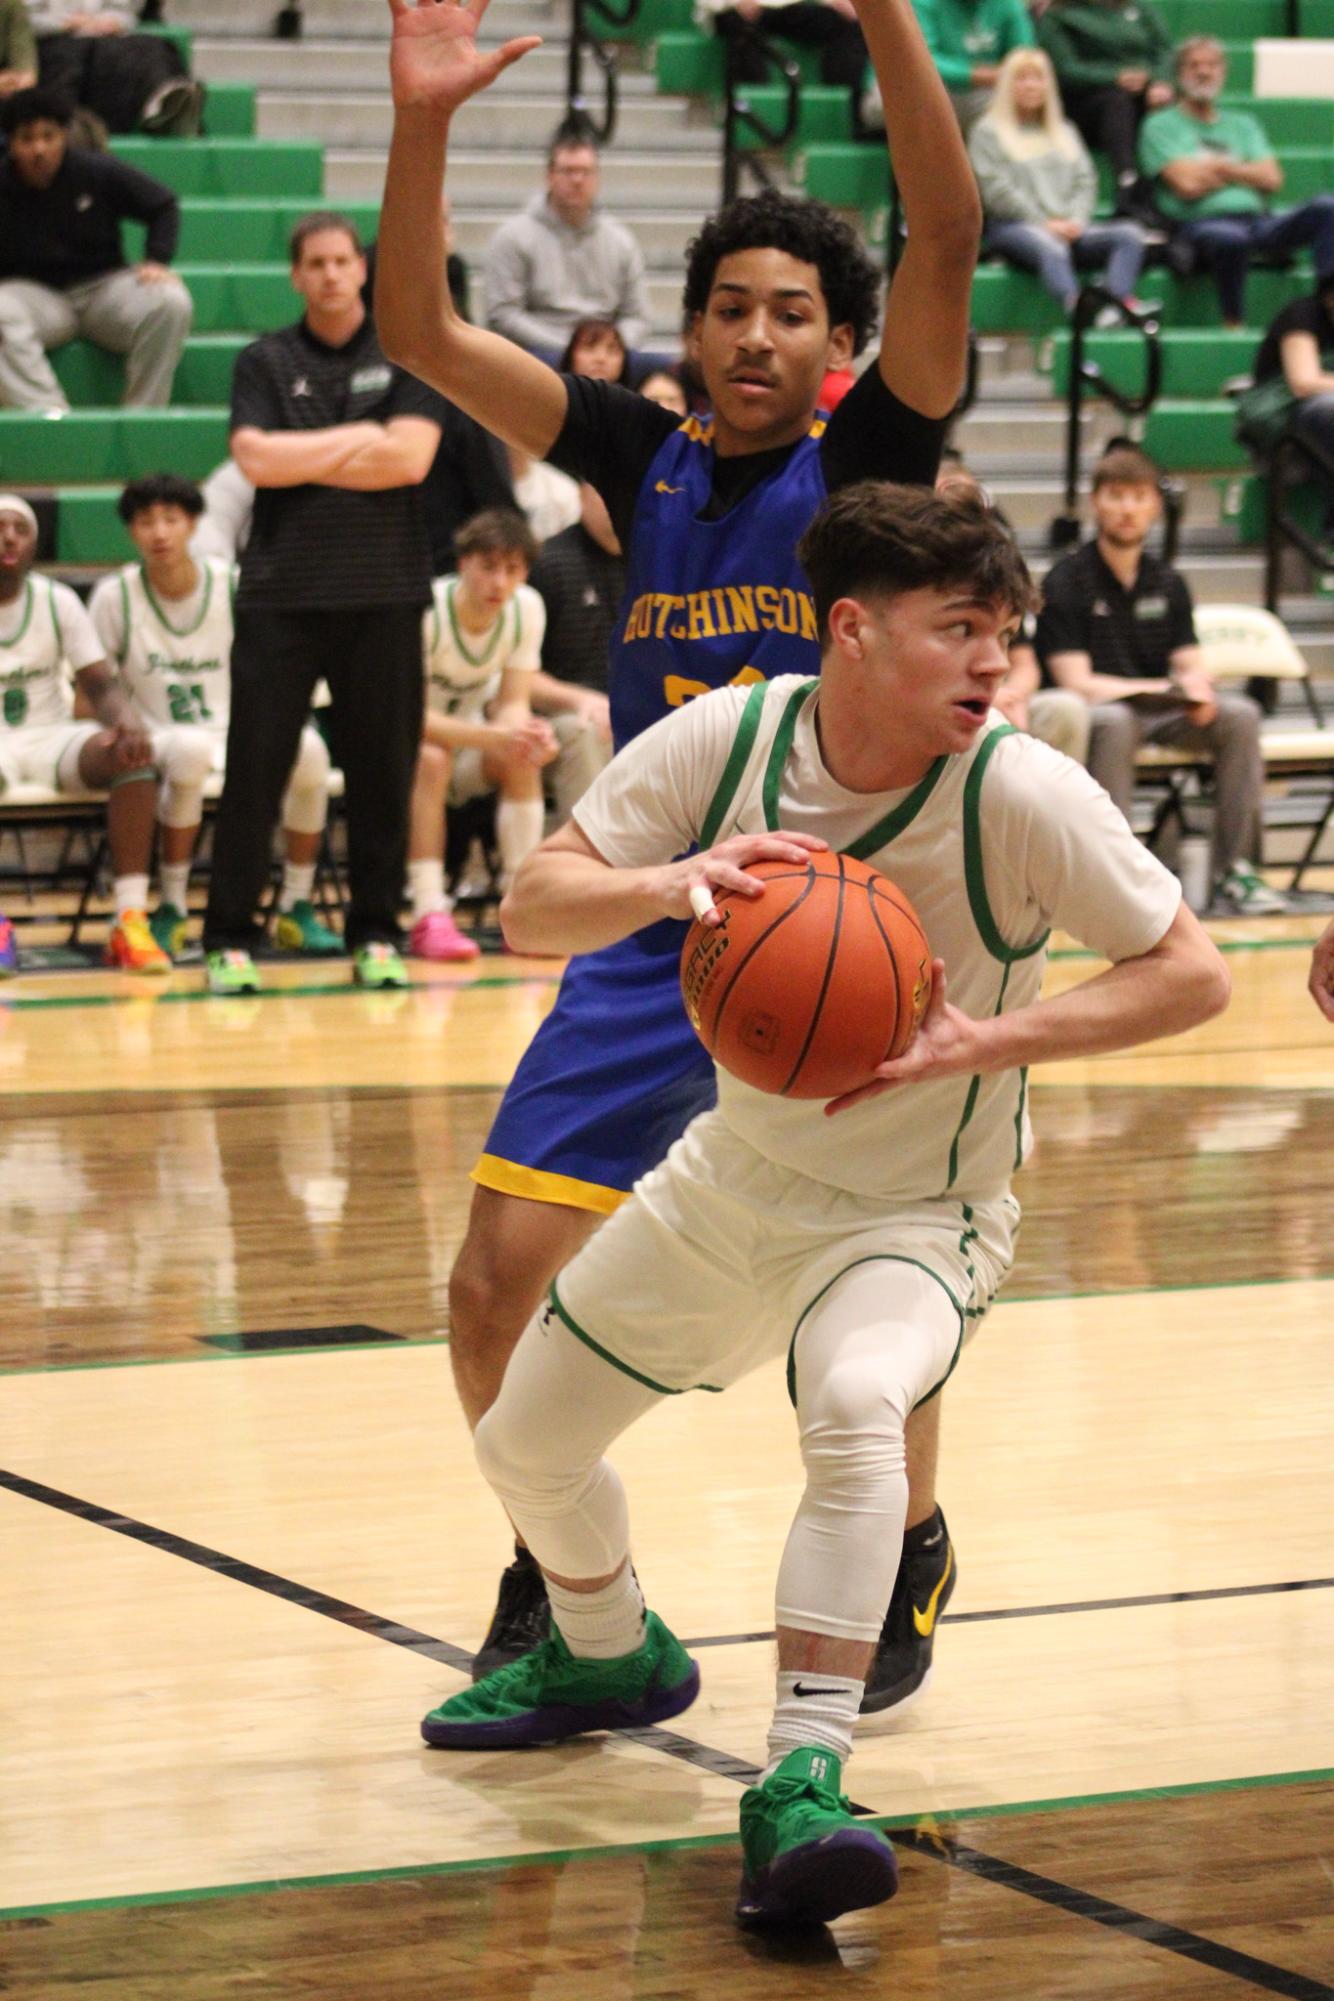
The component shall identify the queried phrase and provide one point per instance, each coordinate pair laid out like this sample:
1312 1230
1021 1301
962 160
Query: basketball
805 990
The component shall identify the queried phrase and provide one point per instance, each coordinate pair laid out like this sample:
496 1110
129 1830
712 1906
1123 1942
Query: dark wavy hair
159 489
39 103
805 229
876 539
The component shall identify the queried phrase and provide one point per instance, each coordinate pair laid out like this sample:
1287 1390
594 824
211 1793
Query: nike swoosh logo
925 1621
662 487
797 1689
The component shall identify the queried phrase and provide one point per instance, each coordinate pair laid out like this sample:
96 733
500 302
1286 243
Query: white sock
600 1625
518 832
298 884
813 1709
426 882
174 880
131 893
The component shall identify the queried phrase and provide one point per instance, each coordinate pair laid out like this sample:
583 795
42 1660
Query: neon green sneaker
548 1695
230 972
167 925
300 930
379 965
806 1860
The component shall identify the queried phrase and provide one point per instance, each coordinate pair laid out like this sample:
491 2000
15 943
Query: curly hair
804 229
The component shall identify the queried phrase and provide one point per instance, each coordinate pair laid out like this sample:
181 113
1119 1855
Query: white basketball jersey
990 847
38 634
463 669
177 669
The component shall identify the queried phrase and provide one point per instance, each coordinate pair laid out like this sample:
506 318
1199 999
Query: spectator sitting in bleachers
1039 186
595 349
563 259
1113 60
482 643
1215 174
1294 382
166 624
45 634
62 266
1117 627
131 82
831 26
18 48
968 40
664 387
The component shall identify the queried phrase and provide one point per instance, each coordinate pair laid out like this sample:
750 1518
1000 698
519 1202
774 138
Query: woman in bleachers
1038 187
595 349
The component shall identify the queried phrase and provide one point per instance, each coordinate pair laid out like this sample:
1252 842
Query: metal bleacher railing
1087 378
589 21
1295 462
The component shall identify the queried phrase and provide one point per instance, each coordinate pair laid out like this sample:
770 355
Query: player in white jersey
166 622
45 637
482 645
862 1247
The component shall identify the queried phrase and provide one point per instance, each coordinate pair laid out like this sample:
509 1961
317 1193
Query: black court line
241 1573
1073 1605
1116 1917
1008 1875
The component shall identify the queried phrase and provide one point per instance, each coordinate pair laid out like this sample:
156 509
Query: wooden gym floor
245 1544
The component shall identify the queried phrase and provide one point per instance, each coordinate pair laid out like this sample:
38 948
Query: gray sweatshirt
541 277
1031 190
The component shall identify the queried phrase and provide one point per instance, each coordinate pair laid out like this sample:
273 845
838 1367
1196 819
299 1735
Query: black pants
372 661
113 75
841 44
1109 119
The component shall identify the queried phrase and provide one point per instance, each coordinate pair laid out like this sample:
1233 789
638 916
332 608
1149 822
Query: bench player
483 645
166 622
862 1247
778 292
45 634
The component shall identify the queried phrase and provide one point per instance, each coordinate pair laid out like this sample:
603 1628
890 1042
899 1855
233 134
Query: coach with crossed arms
334 580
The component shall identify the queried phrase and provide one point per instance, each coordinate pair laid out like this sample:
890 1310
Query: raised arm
923 346
435 67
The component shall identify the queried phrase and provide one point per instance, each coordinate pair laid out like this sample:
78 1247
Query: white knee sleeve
184 760
878 1341
563 1497
306 802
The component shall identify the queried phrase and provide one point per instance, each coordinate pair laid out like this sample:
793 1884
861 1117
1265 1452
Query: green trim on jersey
178 632
778 750
742 744
1019 1118
29 600
974 872
479 659
580 1334
970 1102
871 1258
903 816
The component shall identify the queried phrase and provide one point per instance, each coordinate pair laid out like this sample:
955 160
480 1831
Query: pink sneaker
437 936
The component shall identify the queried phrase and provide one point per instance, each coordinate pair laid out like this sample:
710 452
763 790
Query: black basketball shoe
922 1590
521 1620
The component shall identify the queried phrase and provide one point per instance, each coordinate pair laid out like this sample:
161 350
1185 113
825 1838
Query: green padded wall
229 166
1194 364
88 529
1188 435
229 111
824 115
109 444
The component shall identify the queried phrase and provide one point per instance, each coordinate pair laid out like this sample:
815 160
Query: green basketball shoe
548 1695
230 972
300 930
167 925
379 965
806 1860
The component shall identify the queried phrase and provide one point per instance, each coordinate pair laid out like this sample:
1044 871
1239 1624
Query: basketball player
43 629
166 622
778 291
483 645
862 1247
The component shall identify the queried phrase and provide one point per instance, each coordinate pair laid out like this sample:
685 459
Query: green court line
175 995
927 1822
442 1340
1223 944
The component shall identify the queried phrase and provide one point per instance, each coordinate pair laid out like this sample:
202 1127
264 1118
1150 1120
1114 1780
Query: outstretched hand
434 60
947 1044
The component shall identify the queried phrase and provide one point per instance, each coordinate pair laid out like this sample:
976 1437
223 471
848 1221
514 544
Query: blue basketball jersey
712 602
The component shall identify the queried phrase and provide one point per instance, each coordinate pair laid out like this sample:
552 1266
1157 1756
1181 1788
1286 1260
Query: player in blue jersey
778 291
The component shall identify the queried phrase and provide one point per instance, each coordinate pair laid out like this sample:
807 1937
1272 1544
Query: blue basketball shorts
613 1076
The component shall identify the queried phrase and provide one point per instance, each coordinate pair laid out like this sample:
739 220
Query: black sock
524 1555
927 1534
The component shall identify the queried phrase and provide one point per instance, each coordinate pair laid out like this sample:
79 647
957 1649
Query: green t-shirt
966 34
1174 135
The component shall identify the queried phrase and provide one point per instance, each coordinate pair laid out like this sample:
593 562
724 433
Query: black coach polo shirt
324 547
1132 632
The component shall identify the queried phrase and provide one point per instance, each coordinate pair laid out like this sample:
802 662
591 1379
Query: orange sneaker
132 946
